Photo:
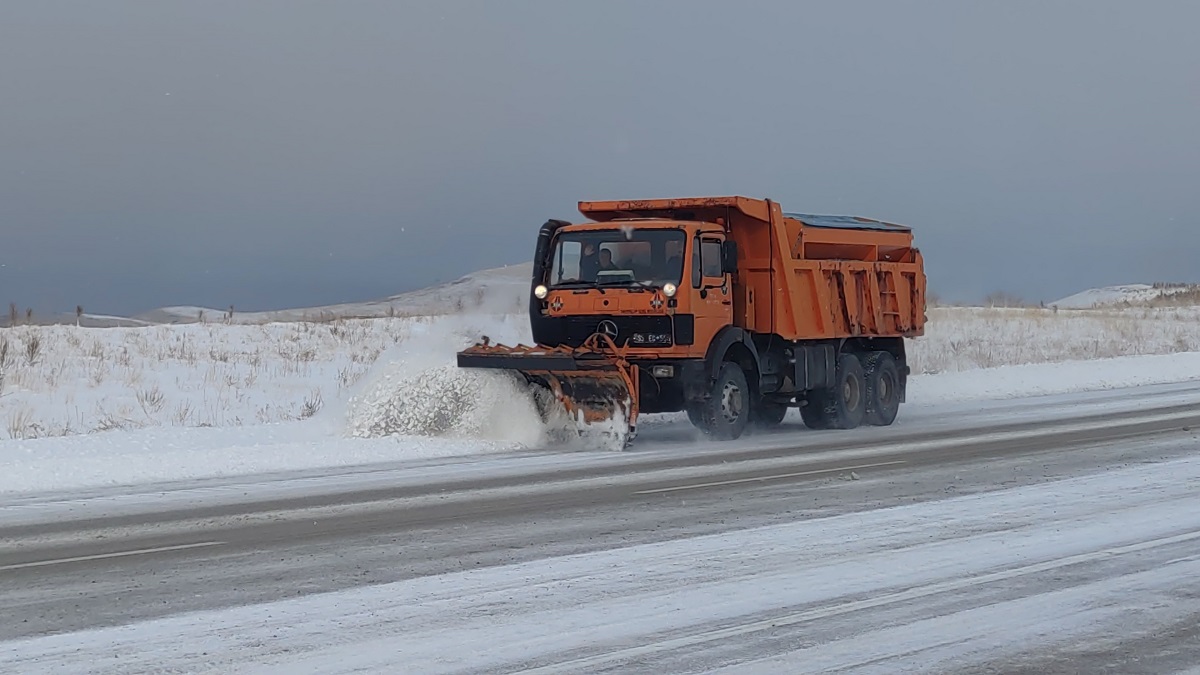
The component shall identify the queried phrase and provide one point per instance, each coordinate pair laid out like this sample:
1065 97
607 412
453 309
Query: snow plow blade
594 382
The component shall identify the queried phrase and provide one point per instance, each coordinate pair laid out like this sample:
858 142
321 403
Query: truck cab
662 290
657 288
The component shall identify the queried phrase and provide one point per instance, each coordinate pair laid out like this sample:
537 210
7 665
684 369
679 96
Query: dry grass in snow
968 338
61 380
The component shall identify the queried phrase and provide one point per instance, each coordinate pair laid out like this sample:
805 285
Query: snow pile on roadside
162 455
165 454
67 380
1053 378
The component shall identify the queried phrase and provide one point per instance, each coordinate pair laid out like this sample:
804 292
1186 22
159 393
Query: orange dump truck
725 307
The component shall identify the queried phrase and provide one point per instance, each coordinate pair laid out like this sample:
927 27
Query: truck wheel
727 411
850 401
882 389
769 413
842 407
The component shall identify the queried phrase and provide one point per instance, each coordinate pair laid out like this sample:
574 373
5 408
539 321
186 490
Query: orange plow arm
594 382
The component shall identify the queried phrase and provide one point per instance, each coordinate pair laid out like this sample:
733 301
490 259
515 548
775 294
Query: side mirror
729 257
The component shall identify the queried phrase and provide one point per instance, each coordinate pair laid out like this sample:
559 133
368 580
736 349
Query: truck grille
644 331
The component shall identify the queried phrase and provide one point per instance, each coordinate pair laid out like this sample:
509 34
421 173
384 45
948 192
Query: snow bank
501 421
67 380
160 455
1028 380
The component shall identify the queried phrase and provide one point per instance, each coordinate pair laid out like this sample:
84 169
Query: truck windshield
620 257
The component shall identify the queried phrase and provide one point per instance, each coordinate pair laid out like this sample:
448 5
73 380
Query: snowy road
1017 537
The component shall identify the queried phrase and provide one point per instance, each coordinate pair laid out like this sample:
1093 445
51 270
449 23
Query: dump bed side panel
848 299
841 276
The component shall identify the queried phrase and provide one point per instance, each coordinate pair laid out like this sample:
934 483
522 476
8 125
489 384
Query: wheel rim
886 388
731 402
851 393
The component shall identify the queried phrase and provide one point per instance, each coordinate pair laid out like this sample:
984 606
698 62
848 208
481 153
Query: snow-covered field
66 380
969 338
221 398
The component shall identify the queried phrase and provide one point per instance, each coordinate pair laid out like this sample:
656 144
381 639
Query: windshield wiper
637 285
633 285
578 284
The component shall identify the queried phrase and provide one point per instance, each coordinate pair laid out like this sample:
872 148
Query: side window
711 258
566 263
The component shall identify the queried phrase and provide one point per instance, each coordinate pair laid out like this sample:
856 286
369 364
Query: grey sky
276 154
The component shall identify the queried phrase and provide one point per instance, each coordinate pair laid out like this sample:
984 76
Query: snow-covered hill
1125 294
501 290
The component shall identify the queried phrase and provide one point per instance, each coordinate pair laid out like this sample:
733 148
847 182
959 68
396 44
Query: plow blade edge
593 384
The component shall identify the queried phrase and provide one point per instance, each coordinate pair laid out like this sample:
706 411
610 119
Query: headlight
540 291
669 289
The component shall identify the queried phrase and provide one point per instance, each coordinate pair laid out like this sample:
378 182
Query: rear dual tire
842 406
882 379
865 391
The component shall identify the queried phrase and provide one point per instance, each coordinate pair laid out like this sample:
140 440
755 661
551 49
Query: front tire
725 414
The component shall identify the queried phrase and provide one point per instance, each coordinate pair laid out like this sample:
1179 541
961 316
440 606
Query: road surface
1058 535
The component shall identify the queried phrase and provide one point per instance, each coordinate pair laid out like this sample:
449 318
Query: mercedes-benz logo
607 328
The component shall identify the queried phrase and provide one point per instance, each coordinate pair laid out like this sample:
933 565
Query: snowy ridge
501 290
1133 294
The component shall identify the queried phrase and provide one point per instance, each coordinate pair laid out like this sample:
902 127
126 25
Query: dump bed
805 276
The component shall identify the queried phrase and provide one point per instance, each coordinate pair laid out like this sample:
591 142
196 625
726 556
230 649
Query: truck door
713 291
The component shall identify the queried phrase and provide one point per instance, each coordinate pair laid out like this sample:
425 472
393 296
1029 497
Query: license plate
648 339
